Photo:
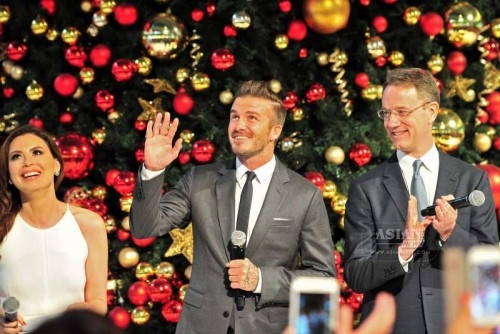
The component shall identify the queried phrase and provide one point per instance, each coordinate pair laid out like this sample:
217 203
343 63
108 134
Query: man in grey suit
388 247
288 220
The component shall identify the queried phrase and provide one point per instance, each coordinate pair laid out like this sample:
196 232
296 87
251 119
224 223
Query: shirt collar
430 160
262 173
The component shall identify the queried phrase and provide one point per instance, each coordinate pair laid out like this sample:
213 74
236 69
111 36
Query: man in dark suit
288 219
388 247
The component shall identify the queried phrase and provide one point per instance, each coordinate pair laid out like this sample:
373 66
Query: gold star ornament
160 85
183 243
460 87
149 109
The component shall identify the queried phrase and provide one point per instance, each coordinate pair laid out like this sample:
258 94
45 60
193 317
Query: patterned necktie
245 204
418 188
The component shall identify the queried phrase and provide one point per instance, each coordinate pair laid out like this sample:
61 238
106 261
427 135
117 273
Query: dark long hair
10 198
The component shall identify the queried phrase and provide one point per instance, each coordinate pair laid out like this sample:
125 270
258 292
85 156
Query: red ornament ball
203 150
110 176
49 6
361 154
126 14
496 143
222 59
316 178
120 317
36 122
197 15
493 105
100 55
182 103
491 48
16 51
210 9
65 84
290 100
124 183
66 118
456 62
303 52
78 155
362 80
184 157
171 310
123 69
96 205
160 290
297 30
381 61
140 125
316 92
139 154
76 56
8 92
493 172
143 242
122 235
380 23
355 300
431 24
104 100
230 31
364 2
285 6
138 293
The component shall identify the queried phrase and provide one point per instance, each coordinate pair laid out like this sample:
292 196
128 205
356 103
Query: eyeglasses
386 114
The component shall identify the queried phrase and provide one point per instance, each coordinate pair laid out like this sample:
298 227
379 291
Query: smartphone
483 280
314 304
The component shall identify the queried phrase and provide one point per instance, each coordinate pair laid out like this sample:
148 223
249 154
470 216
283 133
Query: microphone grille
476 198
10 305
238 238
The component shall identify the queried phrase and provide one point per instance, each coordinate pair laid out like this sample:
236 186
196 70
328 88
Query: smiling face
253 130
412 133
31 163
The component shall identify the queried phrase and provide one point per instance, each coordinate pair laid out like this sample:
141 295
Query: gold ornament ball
16 72
128 257
369 93
226 97
463 24
4 14
86 6
375 46
164 269
126 223
109 224
107 6
200 81
126 203
326 16
481 142
495 27
51 34
322 58
396 58
298 114
99 192
140 315
114 116
183 290
78 93
87 75
338 59
275 86
144 65
341 222
411 15
70 35
335 155
164 37
435 64
241 20
330 189
93 30
144 270
338 204
39 26
487 129
187 136
99 136
34 91
182 75
448 130
281 41
99 19
188 271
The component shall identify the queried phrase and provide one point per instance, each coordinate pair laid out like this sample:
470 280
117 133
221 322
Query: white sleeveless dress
43 268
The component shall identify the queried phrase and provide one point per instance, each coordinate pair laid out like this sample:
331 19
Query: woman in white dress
53 256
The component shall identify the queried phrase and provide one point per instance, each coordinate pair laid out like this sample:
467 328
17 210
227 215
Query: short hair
423 81
261 89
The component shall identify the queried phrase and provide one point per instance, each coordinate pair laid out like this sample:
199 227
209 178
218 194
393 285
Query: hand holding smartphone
314 304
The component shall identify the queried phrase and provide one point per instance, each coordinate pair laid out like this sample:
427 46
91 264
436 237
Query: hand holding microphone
238 241
475 198
10 306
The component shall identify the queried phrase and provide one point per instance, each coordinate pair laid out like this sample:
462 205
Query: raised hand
414 232
159 148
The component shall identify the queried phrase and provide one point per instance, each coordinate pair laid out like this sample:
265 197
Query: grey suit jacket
375 220
293 220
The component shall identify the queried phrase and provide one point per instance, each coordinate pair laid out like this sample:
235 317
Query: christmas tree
92 73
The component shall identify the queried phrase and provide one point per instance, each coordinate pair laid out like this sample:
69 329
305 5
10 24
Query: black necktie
245 204
418 188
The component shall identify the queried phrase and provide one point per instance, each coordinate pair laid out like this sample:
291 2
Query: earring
10 181
57 173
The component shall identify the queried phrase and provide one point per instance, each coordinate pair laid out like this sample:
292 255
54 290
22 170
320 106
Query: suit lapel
447 177
224 192
272 203
395 185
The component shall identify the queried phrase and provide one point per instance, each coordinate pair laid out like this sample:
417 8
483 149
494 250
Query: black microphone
238 240
10 307
475 198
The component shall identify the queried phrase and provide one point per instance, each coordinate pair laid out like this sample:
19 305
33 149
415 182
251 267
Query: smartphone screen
485 293
314 314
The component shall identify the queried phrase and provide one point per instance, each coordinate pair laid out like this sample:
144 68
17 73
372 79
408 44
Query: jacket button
225 314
